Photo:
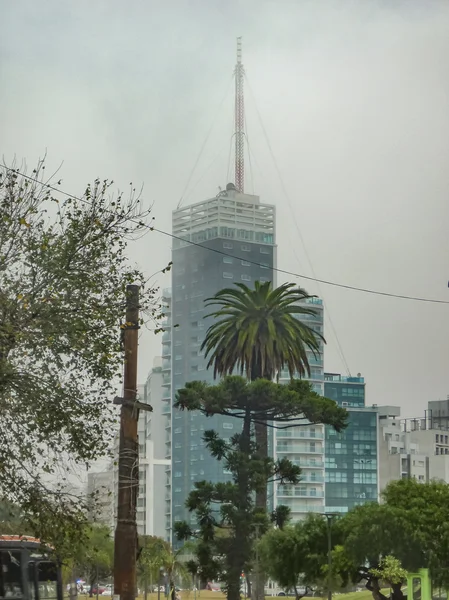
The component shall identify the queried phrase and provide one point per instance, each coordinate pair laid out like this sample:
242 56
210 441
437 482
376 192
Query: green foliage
261 400
426 509
258 331
152 553
63 274
265 400
374 530
295 555
280 516
228 521
94 554
390 571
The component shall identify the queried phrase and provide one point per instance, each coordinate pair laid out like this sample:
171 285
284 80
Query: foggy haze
354 97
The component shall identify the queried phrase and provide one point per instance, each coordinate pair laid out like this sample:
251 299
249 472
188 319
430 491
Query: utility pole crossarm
133 404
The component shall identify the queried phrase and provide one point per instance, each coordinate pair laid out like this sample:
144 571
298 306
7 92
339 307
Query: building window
178 357
246 248
227 259
227 275
178 430
264 250
228 426
246 277
437 438
264 265
245 263
263 279
437 451
227 245
177 473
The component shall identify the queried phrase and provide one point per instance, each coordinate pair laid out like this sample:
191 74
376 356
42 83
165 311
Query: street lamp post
329 517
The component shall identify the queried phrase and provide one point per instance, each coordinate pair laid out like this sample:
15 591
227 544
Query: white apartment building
152 465
304 445
152 460
411 448
100 497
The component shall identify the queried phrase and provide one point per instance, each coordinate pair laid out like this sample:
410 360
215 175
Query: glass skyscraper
351 457
221 241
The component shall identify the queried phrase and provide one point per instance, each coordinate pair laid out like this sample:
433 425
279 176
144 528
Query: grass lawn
206 595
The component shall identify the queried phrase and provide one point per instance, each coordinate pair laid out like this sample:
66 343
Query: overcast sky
354 98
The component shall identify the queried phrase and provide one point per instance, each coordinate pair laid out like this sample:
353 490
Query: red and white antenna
239 122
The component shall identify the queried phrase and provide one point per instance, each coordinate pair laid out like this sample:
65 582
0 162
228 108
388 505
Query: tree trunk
373 586
248 586
397 591
238 555
262 445
261 503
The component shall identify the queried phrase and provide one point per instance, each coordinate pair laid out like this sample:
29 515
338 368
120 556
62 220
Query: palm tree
175 566
259 332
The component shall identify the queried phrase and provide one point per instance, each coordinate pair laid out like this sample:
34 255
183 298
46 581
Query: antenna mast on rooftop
239 121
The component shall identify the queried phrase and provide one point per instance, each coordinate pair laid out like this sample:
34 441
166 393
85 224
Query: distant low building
100 497
414 448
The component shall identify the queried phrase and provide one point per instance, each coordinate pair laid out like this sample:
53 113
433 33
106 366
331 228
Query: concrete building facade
219 242
304 444
152 456
100 497
412 448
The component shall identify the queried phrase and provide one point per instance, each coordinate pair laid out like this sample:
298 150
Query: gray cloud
354 97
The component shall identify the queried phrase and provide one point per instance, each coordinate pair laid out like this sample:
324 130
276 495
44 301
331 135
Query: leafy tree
175 567
390 571
280 516
226 515
294 557
152 551
425 507
259 332
63 275
253 402
94 557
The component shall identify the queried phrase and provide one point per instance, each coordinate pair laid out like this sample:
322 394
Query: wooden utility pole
125 548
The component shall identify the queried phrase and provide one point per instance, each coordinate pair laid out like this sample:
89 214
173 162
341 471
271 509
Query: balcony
309 479
309 464
304 434
283 448
296 493
308 508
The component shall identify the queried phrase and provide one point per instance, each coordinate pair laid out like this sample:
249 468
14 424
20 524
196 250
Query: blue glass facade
221 257
351 468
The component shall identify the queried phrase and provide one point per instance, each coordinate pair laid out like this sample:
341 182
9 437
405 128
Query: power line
327 314
284 271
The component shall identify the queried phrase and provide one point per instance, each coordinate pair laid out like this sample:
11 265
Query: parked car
101 589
